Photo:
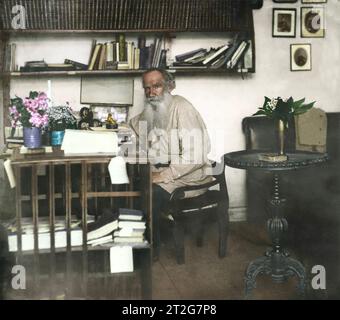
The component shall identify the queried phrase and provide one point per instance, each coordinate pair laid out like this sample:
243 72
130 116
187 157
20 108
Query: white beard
156 111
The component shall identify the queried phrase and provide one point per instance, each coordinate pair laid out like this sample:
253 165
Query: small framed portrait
313 1
284 23
312 22
300 57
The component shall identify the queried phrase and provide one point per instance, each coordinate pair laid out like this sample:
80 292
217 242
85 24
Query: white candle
49 90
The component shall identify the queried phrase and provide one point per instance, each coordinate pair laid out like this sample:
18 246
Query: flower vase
281 130
32 137
57 137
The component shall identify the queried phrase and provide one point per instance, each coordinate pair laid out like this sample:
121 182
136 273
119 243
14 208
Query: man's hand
156 177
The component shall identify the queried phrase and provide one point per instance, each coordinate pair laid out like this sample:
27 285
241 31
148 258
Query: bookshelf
85 188
95 18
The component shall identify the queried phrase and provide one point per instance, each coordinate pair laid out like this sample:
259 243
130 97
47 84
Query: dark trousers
160 203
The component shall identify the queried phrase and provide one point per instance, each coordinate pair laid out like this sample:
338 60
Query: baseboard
237 214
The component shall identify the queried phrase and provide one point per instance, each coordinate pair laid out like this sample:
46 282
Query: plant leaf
304 108
262 112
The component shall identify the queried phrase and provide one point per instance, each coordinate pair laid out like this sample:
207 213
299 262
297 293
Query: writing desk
276 261
74 180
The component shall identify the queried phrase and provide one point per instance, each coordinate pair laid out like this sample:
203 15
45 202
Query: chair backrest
261 133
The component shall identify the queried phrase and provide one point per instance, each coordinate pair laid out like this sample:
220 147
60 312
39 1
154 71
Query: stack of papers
89 142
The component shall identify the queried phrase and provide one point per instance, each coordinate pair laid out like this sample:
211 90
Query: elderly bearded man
177 139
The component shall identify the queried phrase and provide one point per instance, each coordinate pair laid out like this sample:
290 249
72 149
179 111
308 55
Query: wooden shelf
103 247
72 73
116 72
151 31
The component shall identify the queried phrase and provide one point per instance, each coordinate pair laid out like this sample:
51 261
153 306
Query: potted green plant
282 111
60 118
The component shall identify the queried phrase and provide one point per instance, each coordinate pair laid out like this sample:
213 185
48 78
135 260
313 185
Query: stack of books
233 55
41 65
131 226
101 231
44 233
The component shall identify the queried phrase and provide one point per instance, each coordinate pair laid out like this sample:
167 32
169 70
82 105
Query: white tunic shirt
184 144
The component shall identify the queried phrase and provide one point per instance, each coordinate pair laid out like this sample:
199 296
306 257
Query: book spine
115 8
167 8
40 13
125 14
80 15
105 10
136 14
150 13
122 47
59 15
47 22
88 15
4 16
161 14
52 11
143 17
73 7
93 15
33 15
97 16
187 13
130 14
120 14
37 14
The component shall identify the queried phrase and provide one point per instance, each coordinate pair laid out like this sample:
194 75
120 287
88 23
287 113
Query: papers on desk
89 142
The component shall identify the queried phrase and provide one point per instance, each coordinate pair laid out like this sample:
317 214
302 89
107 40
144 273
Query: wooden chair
195 210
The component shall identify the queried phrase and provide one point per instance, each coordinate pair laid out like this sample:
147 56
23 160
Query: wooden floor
204 275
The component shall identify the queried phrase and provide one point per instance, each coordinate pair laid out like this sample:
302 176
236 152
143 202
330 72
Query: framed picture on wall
284 23
300 57
313 1
285 1
312 22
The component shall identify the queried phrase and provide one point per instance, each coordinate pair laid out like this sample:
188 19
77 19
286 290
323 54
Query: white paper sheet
121 259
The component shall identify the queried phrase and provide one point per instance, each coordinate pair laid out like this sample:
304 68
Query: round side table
276 261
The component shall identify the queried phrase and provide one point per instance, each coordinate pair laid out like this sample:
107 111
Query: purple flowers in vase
30 112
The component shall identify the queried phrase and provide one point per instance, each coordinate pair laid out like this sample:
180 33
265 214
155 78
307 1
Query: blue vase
57 137
32 137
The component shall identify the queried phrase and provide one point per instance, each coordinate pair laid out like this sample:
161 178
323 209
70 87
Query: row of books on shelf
232 55
128 227
121 54
44 234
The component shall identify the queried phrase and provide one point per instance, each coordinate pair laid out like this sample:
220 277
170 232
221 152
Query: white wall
223 100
